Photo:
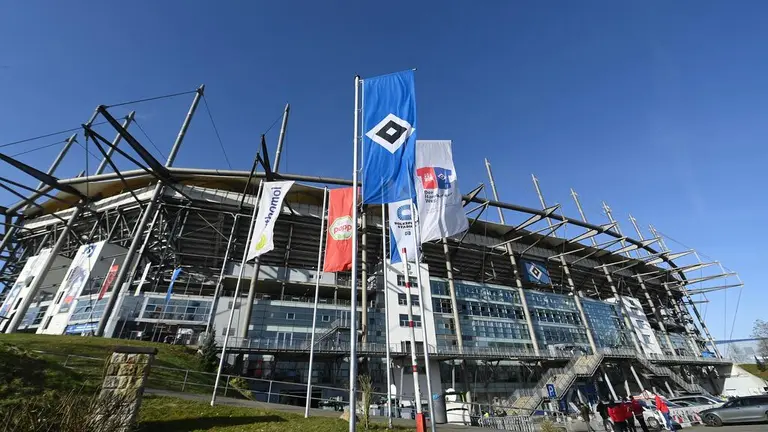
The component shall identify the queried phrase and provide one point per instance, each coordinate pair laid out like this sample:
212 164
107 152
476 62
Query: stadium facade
509 307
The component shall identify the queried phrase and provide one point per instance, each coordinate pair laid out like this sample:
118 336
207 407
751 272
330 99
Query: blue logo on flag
536 273
389 141
434 177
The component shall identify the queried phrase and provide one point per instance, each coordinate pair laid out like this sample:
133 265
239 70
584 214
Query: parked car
742 409
697 401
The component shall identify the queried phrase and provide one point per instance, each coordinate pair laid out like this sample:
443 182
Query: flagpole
317 300
237 292
386 312
353 295
417 229
414 361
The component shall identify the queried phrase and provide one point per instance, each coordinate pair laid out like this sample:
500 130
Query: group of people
625 415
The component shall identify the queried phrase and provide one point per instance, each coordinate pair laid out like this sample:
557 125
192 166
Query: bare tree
760 331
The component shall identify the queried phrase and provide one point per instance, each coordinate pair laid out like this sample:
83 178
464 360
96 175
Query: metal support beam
123 273
281 138
43 177
609 279
364 276
513 263
577 293
219 282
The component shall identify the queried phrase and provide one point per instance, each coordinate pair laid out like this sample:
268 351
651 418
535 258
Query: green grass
24 374
57 348
752 368
175 415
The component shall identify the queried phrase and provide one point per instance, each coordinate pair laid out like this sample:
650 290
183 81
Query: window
290 316
229 306
224 331
59 296
404 320
326 318
401 281
47 322
646 339
403 301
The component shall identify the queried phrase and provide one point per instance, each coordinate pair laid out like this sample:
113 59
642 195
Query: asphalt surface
754 427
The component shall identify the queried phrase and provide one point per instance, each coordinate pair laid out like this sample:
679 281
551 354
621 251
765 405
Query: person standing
661 405
618 416
585 415
602 409
637 412
628 415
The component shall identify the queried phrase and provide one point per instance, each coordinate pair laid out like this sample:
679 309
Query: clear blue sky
659 109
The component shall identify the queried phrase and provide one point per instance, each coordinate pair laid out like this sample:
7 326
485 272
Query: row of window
556 316
404 320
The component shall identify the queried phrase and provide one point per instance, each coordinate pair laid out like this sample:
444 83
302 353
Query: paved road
757 427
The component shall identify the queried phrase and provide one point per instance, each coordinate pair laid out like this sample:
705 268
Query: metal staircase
672 375
581 366
340 324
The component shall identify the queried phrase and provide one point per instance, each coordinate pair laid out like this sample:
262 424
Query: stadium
510 308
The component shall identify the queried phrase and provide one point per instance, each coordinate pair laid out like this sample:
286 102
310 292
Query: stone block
112 369
111 382
127 369
118 358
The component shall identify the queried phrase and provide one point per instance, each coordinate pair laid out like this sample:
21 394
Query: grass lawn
56 348
752 368
165 414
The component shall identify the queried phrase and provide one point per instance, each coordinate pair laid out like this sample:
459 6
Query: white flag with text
270 207
441 213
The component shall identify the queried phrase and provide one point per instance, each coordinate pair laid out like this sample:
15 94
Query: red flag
338 249
108 280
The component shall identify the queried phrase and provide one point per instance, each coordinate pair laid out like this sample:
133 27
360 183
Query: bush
241 385
366 387
208 354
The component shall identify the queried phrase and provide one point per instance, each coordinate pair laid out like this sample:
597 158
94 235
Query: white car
699 402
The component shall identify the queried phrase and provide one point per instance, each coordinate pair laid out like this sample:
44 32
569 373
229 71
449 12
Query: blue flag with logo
389 138
536 273
170 287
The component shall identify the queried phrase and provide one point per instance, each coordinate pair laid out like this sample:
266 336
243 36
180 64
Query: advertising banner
338 248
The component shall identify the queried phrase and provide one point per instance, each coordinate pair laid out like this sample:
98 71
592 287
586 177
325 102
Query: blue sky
656 108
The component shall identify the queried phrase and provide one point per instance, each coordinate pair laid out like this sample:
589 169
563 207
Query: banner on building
143 279
402 231
270 207
536 273
78 274
338 246
108 279
389 137
175 276
28 274
441 213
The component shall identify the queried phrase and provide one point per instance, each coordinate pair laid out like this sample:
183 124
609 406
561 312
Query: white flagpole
415 218
353 295
237 292
384 266
317 300
412 325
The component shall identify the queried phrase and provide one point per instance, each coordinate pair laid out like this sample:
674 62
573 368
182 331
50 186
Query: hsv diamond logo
434 177
535 272
391 133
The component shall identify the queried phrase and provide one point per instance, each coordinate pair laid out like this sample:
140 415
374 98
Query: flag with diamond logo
389 137
536 273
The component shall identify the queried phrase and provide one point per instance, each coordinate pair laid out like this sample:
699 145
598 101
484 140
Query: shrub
241 385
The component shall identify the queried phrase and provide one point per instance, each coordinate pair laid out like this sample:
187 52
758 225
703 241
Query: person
637 412
618 416
585 415
602 409
628 414
661 405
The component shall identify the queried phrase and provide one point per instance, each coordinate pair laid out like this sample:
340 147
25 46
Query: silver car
743 409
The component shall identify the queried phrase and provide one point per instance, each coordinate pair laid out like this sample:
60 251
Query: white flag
402 231
437 189
270 206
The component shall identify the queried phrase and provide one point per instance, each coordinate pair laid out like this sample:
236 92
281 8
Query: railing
677 379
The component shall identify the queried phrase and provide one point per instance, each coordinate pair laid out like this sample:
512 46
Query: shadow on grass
205 423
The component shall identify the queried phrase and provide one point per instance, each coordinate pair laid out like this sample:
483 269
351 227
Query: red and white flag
338 249
108 279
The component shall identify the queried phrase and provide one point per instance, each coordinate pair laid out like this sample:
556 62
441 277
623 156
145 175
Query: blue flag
170 287
389 138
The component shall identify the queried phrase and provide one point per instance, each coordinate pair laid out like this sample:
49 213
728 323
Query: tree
760 331
208 354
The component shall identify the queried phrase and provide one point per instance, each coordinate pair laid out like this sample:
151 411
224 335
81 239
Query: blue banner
389 138
536 273
170 287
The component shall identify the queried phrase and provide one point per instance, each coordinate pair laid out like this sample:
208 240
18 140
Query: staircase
581 366
339 324
672 375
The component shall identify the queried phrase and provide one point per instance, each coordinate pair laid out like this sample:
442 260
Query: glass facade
177 309
88 310
606 324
